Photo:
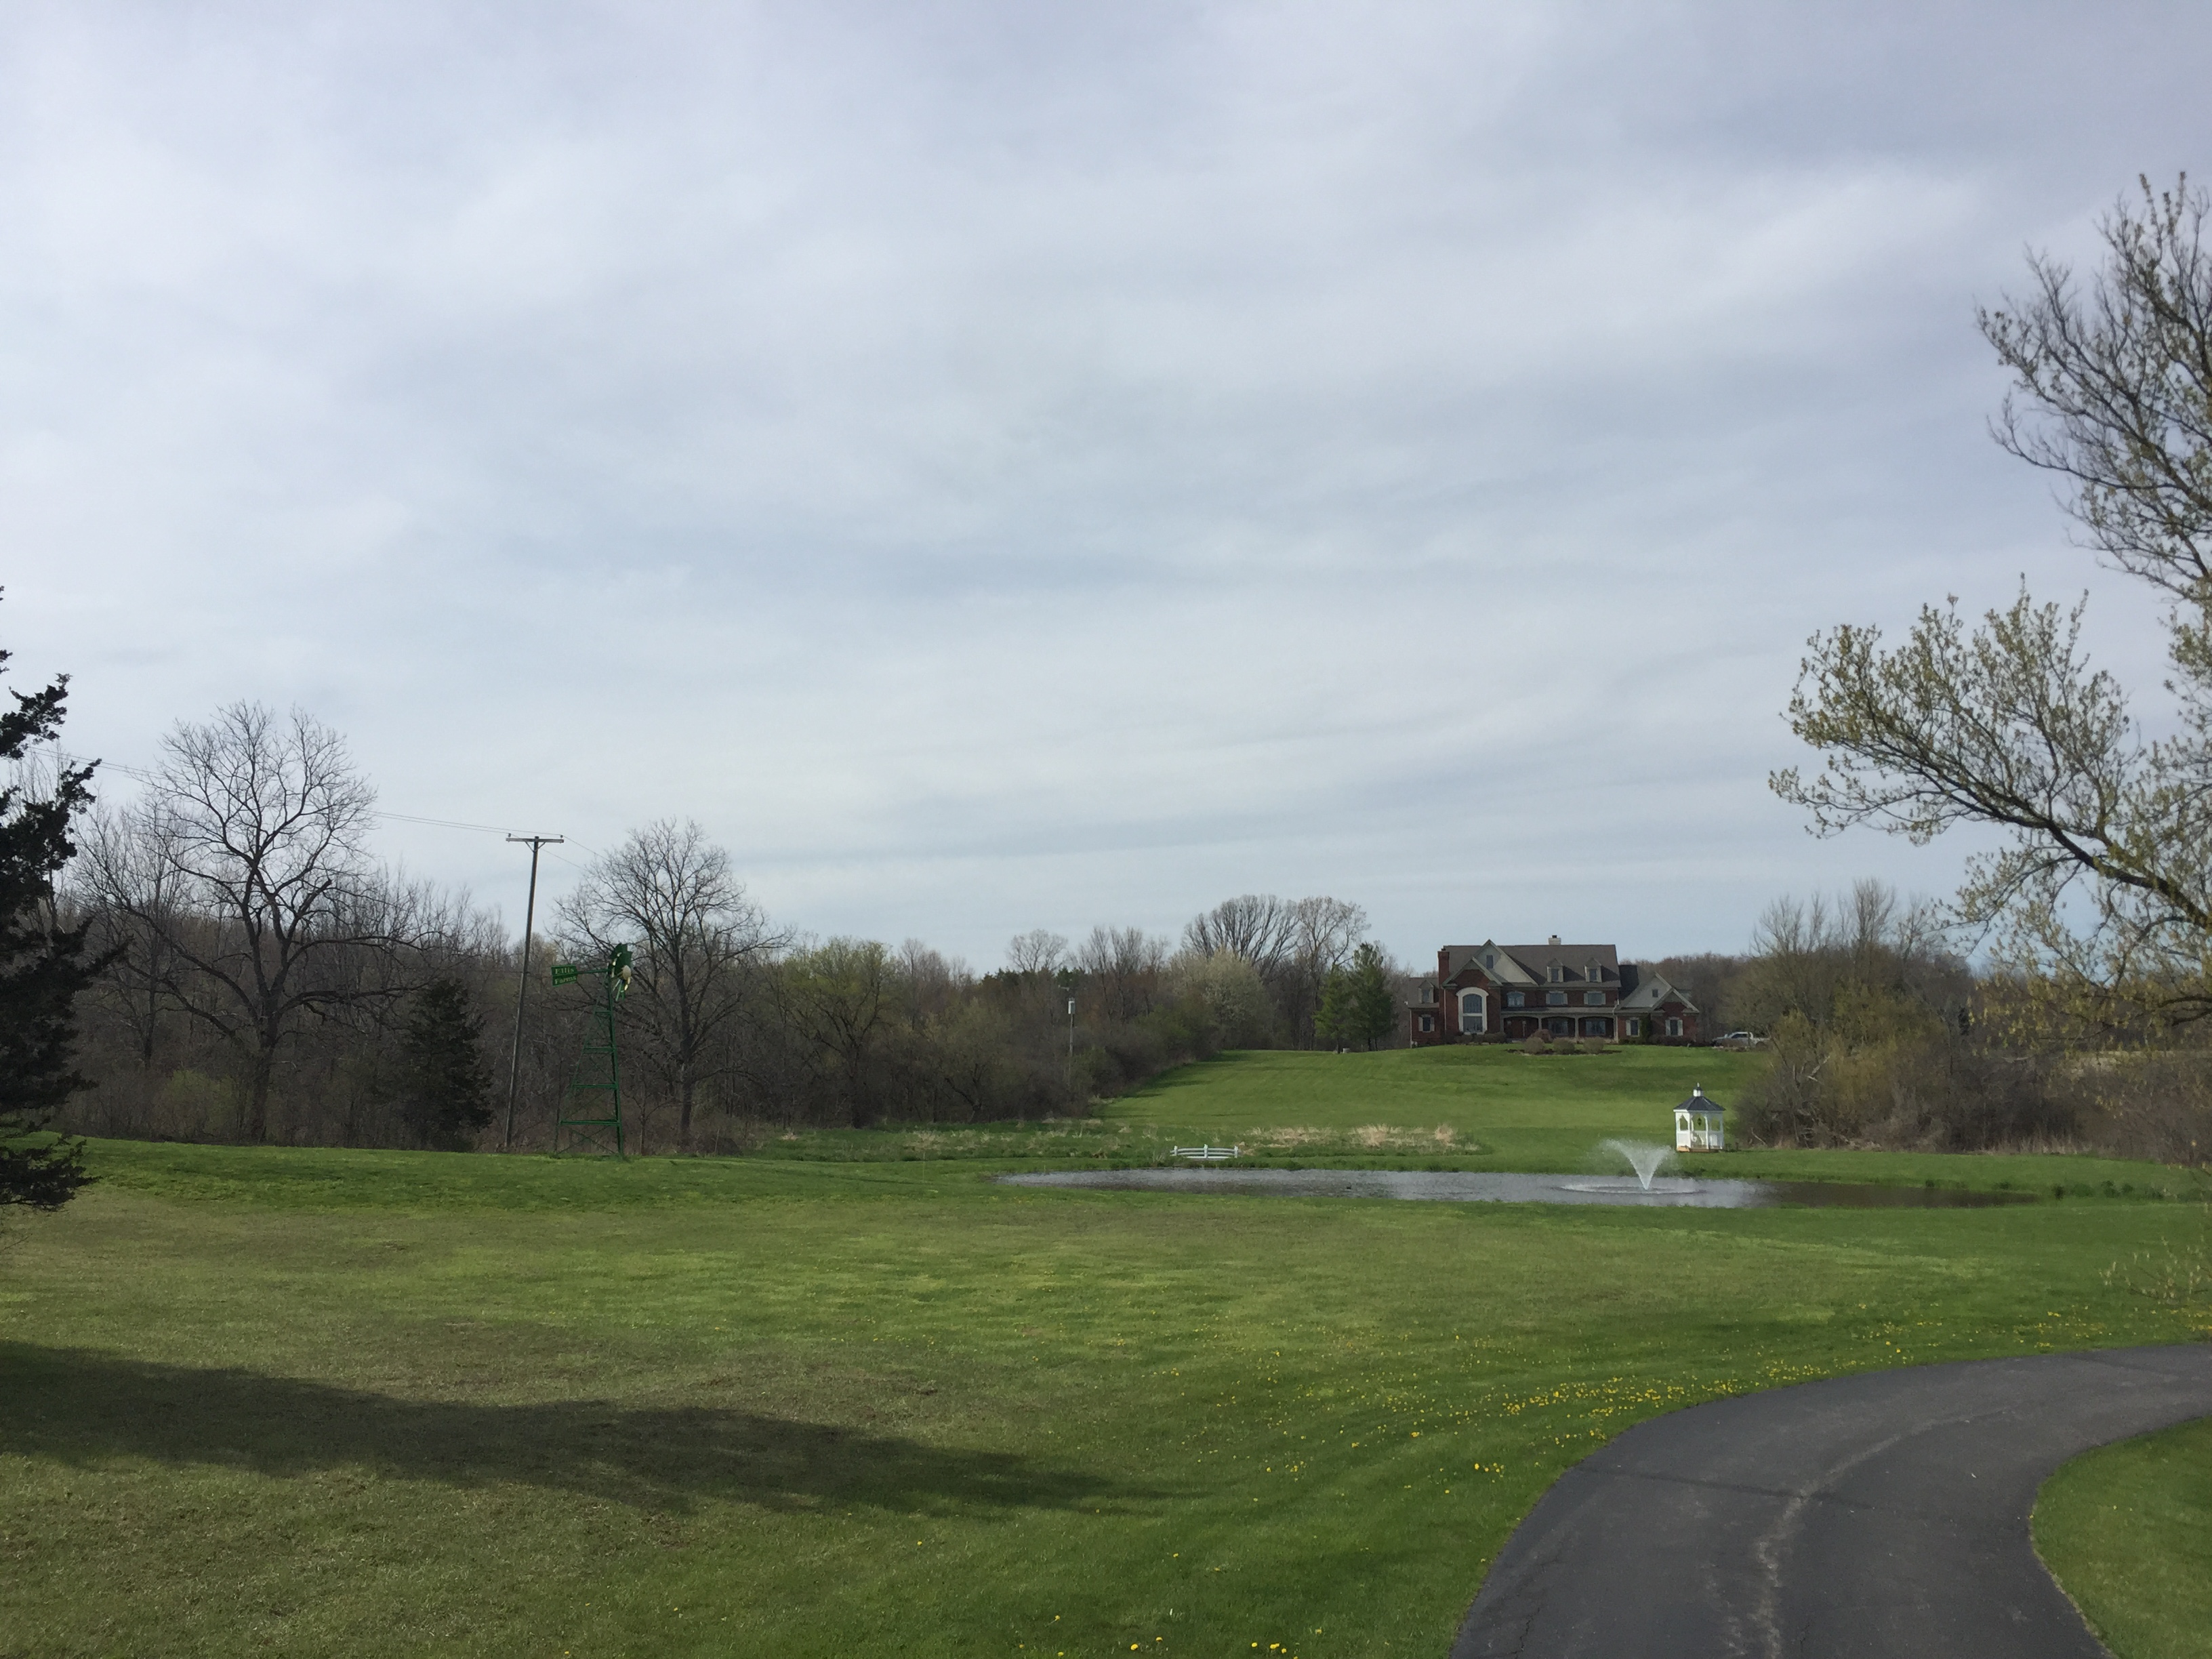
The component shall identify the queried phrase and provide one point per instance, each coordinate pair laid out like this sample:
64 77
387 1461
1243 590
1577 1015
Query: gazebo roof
1701 1102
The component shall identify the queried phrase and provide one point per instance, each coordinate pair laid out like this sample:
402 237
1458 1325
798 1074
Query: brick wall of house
1438 1022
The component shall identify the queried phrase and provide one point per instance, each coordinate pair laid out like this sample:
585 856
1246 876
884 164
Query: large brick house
1498 992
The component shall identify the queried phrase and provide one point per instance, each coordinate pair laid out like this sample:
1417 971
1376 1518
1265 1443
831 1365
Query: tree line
251 971
224 958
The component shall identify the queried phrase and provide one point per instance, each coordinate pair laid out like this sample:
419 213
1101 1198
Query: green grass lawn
345 1402
1525 1111
2128 1530
1493 1106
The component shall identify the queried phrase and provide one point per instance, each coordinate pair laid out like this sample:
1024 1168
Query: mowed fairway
345 1402
1528 1112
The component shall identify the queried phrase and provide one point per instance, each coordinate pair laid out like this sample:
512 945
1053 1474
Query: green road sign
564 973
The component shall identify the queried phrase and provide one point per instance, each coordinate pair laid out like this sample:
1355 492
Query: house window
1557 973
1560 1027
1471 1012
1515 1000
1555 999
1673 1028
1490 959
1589 973
1428 1021
1593 999
1635 1028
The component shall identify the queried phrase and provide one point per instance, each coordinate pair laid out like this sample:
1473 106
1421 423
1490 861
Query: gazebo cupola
1697 1124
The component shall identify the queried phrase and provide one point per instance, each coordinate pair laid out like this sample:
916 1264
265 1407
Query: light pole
522 991
1067 980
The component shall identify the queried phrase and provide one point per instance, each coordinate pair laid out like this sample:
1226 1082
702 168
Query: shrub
1919 1086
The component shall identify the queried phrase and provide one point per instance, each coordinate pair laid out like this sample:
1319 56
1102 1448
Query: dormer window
1589 973
1559 973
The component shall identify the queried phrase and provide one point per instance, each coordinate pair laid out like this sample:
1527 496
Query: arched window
1473 1020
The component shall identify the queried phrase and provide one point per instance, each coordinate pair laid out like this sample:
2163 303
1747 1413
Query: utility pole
522 991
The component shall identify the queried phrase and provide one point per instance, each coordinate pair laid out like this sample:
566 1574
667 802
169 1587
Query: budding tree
2103 885
246 873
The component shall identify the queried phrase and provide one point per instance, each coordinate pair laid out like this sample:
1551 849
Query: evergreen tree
42 963
1336 1024
447 1090
1373 1003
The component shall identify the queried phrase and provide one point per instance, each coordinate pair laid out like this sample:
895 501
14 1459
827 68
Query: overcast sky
1018 464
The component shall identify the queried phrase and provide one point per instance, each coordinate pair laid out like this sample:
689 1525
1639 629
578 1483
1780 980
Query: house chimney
1555 938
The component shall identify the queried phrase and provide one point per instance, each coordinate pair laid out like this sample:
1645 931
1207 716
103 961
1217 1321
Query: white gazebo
1697 1124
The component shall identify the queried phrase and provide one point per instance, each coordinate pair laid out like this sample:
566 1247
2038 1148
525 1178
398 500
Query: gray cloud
998 466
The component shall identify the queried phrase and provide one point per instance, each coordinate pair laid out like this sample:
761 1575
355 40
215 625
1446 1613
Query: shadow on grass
82 1407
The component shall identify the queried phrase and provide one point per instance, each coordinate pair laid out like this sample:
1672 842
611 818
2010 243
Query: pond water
1481 1187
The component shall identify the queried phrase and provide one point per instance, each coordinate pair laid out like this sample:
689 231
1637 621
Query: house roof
1492 958
1572 957
1531 965
1650 991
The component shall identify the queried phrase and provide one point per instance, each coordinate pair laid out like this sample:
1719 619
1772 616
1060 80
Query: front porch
1597 1026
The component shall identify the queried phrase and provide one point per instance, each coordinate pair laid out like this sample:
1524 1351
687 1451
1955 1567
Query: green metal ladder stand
598 1072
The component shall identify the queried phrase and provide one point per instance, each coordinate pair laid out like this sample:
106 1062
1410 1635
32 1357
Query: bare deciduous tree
670 893
1038 951
247 866
1121 967
1257 927
133 891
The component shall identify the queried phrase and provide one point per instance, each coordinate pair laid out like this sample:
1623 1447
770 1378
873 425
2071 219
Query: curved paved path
1884 1514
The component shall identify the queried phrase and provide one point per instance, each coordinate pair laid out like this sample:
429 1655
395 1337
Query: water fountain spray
1642 1158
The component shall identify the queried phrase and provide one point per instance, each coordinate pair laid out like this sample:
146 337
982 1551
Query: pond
1480 1186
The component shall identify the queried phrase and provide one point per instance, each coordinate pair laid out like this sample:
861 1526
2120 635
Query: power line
445 823
145 776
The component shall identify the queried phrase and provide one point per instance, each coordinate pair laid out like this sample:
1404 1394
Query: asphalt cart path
1884 1514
